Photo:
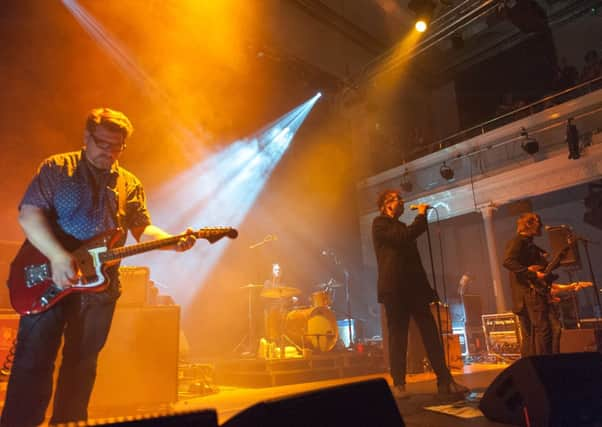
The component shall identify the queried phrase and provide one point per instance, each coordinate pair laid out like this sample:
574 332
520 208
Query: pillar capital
487 209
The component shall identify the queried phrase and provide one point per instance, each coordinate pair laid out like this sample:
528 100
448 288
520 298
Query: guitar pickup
36 274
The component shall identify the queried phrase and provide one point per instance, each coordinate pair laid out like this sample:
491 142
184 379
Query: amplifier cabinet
135 286
139 365
502 333
580 340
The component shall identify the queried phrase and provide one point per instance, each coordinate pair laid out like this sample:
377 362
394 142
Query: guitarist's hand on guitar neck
187 241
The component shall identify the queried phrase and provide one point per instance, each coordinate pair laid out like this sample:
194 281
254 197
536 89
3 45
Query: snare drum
320 299
314 327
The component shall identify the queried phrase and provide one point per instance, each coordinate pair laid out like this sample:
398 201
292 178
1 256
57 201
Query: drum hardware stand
282 338
251 341
348 315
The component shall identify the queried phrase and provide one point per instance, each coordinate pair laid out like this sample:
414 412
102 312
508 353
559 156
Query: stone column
494 261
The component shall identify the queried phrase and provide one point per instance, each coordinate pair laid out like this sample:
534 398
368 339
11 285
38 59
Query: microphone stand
439 323
591 273
348 314
347 302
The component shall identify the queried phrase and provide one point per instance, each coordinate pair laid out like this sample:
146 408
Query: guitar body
543 285
30 284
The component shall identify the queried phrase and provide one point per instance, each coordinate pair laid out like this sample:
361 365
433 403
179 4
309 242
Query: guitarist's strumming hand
64 272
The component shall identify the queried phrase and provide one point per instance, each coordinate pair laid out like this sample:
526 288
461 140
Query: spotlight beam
220 190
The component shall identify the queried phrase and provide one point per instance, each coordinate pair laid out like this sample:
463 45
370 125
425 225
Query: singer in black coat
404 290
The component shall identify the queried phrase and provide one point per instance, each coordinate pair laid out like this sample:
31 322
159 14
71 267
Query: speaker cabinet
365 403
555 390
576 340
561 239
139 365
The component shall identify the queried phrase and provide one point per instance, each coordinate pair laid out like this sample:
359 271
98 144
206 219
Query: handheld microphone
415 207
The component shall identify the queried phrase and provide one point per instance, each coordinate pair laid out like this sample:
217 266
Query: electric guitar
543 285
30 284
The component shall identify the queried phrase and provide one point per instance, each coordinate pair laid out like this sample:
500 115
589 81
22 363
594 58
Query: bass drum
313 327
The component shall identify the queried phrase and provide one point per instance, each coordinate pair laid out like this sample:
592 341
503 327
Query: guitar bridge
36 274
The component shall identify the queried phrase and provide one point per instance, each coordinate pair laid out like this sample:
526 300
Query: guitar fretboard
139 248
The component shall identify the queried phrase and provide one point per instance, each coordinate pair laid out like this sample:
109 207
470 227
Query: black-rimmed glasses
105 145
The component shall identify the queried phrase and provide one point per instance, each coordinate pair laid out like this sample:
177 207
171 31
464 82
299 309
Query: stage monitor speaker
138 368
203 418
365 403
554 390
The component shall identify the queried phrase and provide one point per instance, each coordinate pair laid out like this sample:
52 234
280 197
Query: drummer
274 307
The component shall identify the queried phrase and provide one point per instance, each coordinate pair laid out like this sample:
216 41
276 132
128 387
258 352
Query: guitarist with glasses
72 198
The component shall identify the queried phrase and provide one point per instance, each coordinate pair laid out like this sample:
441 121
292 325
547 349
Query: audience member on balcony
592 67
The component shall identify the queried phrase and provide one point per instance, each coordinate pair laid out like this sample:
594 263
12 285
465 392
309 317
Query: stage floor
228 401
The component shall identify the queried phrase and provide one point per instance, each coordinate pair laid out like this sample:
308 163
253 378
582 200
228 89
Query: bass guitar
30 284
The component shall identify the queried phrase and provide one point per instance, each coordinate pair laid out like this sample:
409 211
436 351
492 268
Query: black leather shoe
452 388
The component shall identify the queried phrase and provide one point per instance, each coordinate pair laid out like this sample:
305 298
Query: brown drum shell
313 327
320 299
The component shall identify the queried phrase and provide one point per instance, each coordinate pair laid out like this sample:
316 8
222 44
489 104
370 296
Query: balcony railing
499 121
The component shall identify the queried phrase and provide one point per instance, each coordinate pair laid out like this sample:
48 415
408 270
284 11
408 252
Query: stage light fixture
528 144
424 10
405 184
446 172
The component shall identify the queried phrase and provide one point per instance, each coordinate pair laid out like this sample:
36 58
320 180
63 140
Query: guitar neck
139 248
212 234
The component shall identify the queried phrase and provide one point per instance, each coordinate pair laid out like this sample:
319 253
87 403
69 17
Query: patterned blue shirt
82 199
83 202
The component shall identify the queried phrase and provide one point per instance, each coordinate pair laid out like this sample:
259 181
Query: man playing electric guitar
79 195
539 321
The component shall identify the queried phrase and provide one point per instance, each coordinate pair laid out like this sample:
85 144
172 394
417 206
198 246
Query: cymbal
251 286
329 285
280 292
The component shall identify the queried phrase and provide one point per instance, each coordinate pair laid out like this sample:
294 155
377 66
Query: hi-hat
251 286
280 292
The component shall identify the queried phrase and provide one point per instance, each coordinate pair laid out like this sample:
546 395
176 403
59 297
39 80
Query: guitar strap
121 196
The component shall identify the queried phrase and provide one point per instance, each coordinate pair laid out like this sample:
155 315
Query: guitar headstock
213 234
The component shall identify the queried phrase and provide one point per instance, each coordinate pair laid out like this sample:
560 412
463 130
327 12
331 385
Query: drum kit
311 327
308 329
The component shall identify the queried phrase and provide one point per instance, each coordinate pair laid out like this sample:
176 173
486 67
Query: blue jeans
84 322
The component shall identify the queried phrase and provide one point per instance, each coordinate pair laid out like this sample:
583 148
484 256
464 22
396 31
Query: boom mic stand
439 322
